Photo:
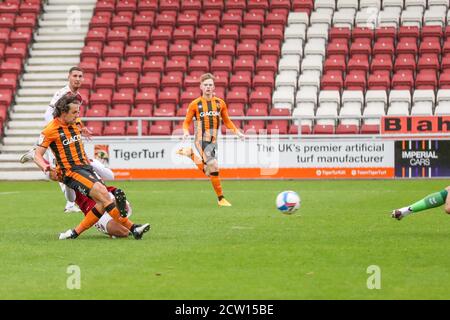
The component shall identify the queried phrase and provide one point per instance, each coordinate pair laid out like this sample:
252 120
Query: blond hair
207 76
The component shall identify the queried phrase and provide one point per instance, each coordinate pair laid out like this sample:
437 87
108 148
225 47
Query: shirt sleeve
226 119
55 99
45 139
189 116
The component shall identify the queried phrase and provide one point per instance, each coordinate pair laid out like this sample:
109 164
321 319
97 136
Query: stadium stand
17 23
336 66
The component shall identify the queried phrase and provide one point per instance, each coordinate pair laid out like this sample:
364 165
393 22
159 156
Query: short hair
63 104
207 76
75 69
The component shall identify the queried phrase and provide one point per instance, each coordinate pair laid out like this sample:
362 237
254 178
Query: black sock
220 197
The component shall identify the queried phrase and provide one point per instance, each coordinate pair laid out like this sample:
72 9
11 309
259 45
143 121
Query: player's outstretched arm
39 159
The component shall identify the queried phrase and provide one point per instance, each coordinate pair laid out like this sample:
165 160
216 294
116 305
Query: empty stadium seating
344 62
18 20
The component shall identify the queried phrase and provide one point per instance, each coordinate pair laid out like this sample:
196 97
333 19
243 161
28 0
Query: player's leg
29 155
104 172
137 230
433 200
116 229
100 194
87 183
447 201
109 226
212 166
188 152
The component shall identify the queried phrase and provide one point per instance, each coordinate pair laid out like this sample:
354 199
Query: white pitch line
11 192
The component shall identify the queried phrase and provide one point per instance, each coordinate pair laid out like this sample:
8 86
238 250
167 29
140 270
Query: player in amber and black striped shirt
63 136
208 111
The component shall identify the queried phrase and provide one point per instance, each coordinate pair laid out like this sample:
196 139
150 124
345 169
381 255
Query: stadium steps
22 175
56 48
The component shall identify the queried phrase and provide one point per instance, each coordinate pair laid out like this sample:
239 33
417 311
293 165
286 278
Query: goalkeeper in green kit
431 201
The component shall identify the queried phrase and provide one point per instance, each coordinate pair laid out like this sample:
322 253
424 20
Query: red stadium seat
165 110
386 32
125 5
358 63
235 96
169 95
267 63
426 80
145 98
379 81
408 32
370 129
347 129
355 81
147 5
384 46
171 80
221 65
96 127
100 98
160 128
444 80
273 32
278 128
99 110
3 113
363 33
132 128
407 46
194 5
122 98
405 62
381 62
209 17
323 129
149 82
402 80
120 110
114 128
142 110
337 48
331 81
428 62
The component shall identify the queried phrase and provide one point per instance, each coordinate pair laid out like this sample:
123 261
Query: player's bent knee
100 193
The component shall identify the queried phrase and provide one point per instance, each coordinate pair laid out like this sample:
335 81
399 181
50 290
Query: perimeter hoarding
262 158
422 158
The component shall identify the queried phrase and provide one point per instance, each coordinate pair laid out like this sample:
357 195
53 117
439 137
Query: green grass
196 250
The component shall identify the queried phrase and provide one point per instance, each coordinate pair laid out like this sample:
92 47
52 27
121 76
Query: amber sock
113 211
89 220
127 223
215 180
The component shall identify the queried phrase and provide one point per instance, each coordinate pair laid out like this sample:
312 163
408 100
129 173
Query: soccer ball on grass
288 202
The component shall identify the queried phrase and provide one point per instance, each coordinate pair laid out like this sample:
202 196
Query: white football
288 202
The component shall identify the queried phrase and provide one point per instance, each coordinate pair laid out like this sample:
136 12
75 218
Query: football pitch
196 250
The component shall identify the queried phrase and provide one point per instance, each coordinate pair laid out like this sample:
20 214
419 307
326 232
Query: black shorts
81 179
207 150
